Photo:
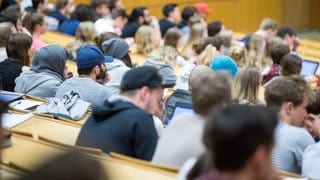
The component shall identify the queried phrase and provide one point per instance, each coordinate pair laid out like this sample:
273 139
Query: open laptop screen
309 68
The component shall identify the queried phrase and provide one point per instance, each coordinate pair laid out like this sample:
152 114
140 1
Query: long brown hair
31 20
17 47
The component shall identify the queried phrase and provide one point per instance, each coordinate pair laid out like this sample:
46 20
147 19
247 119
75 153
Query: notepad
24 104
10 120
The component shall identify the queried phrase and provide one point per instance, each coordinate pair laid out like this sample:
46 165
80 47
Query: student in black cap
125 124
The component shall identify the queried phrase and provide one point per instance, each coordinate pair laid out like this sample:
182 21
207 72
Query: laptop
179 110
309 68
8 97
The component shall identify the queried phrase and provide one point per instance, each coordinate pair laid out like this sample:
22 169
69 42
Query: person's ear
288 106
144 93
96 69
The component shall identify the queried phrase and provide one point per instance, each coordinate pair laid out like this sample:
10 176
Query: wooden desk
52 37
27 153
59 131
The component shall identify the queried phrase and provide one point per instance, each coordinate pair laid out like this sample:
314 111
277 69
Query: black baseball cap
138 77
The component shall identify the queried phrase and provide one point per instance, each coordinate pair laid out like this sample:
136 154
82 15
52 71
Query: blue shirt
57 14
69 26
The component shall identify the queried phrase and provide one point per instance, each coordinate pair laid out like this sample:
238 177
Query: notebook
309 68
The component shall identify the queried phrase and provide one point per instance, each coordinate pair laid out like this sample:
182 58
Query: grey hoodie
116 70
45 74
165 70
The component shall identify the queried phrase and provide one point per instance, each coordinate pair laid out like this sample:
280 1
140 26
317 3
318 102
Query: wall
244 15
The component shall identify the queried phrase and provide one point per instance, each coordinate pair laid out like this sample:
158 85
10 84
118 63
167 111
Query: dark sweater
9 71
165 25
130 29
120 127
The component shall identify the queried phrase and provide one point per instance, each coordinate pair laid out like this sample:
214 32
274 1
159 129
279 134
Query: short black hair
136 13
35 3
278 52
168 8
188 12
283 31
84 71
83 13
234 132
214 28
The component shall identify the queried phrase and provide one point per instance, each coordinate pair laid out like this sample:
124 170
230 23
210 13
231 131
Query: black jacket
120 127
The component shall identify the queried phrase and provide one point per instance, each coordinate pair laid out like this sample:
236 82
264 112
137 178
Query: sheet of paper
24 104
10 120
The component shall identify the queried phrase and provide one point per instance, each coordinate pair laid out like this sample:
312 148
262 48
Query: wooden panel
315 14
249 13
296 13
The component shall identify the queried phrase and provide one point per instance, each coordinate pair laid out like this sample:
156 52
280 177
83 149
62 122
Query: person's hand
312 124
296 43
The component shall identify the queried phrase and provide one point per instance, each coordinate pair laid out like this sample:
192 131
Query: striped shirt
290 143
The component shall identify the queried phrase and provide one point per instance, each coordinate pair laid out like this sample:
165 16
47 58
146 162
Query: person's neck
36 35
243 174
171 20
283 117
91 76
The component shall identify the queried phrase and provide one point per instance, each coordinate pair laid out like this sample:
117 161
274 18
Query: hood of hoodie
30 79
114 105
114 64
165 70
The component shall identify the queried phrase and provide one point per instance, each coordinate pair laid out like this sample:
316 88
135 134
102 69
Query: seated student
85 35
46 73
114 24
37 26
237 53
173 37
207 49
182 93
90 64
101 8
118 49
6 28
224 63
214 28
255 52
239 141
290 66
172 16
63 11
311 156
288 96
289 37
81 13
246 86
124 123
187 13
181 140
197 30
164 59
139 16
276 54
268 28
147 40
228 40
40 6
20 51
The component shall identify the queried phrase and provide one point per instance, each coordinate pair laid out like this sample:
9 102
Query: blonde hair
207 55
196 34
255 52
271 43
166 54
86 32
237 53
143 39
246 85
